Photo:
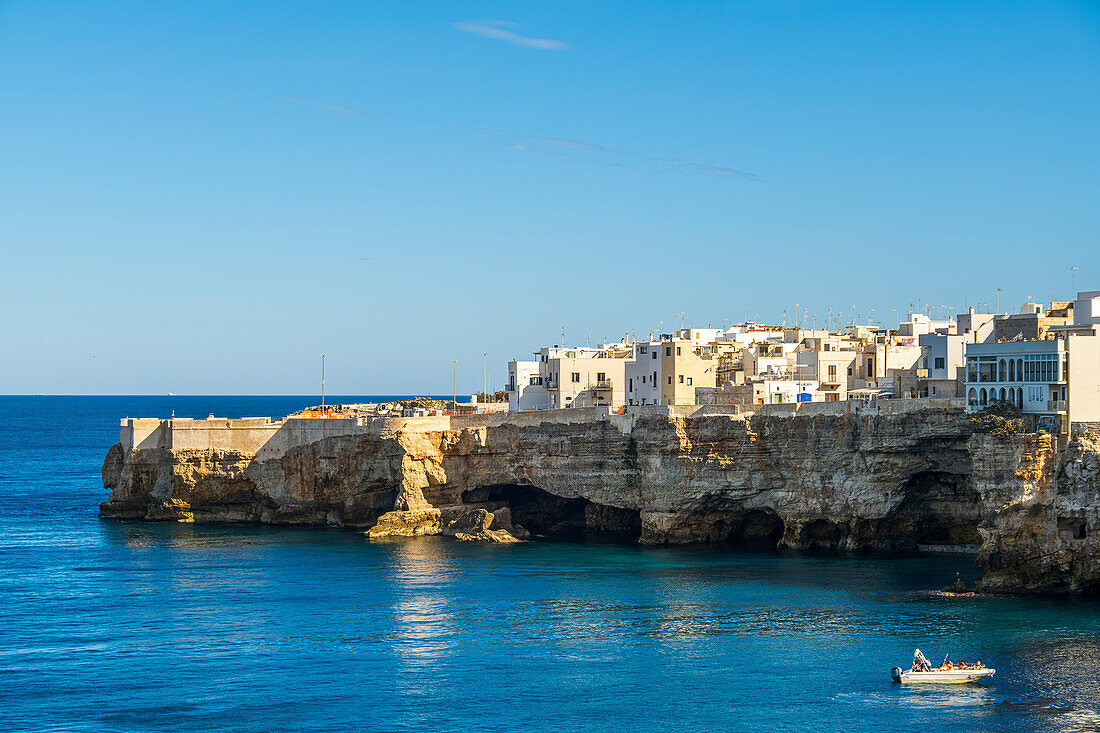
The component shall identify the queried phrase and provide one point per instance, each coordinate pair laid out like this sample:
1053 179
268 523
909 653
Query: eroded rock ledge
826 482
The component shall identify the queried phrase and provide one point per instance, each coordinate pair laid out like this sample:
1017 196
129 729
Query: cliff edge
891 480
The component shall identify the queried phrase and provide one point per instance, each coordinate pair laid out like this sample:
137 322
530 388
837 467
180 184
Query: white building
526 390
644 374
1054 381
1032 375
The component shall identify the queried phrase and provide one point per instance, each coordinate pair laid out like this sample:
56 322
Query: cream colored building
584 376
686 365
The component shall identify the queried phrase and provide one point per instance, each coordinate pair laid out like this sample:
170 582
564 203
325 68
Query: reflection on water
421 573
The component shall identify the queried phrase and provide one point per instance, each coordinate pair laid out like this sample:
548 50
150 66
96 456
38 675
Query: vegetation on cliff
1001 418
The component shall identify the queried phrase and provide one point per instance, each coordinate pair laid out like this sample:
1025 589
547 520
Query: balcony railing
1056 405
603 384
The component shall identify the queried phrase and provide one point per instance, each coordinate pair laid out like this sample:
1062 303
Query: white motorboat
922 671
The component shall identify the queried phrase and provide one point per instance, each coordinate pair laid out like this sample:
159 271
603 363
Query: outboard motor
895 674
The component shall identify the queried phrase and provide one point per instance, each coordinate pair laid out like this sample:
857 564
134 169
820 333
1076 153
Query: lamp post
485 375
454 386
322 382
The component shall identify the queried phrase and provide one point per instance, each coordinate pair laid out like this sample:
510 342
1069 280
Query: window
670 380
849 371
654 354
933 389
630 386
654 378
689 381
832 371
576 377
668 351
601 376
677 351
940 362
681 379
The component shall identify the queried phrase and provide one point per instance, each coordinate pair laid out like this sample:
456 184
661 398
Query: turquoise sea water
109 626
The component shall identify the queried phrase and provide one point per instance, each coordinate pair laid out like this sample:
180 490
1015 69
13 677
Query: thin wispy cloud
521 148
501 30
709 169
336 108
593 153
343 110
564 142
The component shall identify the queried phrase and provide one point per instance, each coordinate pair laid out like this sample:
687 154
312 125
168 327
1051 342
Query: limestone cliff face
1043 511
860 481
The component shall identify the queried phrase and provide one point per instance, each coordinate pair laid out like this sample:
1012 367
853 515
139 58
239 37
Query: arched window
982 397
1012 370
1020 397
1019 370
972 397
1002 395
1002 371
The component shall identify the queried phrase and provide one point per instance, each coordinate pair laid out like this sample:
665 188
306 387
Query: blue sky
202 197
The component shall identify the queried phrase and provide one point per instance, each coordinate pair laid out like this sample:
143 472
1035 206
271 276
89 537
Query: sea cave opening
939 508
550 516
757 529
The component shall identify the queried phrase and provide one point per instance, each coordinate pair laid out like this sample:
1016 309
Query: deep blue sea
109 626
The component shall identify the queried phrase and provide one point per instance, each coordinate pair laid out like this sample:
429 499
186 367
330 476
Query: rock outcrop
890 481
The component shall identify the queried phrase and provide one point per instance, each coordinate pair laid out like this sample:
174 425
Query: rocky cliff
826 482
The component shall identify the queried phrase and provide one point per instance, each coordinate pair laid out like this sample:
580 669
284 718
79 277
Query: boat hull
946 676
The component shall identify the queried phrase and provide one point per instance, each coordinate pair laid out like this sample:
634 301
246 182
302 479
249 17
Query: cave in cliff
939 508
756 530
549 515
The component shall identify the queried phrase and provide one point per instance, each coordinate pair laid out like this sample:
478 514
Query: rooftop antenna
322 382
1073 280
998 300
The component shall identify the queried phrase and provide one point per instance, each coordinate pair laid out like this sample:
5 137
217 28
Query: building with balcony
667 371
525 387
1032 375
584 376
1054 380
